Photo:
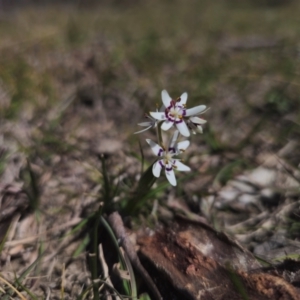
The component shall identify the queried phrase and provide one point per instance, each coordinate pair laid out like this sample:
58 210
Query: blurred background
71 70
72 73
241 58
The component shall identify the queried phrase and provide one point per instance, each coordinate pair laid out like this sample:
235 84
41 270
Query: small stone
262 176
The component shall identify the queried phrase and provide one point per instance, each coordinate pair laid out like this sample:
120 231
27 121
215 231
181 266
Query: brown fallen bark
190 260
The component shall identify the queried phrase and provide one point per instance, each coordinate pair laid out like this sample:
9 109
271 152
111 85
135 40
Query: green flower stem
159 135
93 257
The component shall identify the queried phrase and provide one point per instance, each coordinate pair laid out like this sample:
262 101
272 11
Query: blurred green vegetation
180 45
241 58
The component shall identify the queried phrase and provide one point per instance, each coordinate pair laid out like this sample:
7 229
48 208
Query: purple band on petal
169 169
161 163
179 121
172 149
160 152
170 119
167 110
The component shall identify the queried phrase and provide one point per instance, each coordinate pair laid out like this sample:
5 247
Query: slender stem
159 135
93 256
106 183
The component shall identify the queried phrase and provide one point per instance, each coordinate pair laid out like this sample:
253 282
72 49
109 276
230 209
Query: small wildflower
166 160
176 113
152 123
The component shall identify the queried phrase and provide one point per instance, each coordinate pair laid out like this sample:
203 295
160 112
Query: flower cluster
173 112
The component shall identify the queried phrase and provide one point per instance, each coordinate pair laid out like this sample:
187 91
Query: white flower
166 160
152 123
176 113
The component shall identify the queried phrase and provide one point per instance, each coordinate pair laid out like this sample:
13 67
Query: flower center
175 112
167 161
167 158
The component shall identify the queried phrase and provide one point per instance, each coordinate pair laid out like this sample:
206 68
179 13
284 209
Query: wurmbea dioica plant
173 112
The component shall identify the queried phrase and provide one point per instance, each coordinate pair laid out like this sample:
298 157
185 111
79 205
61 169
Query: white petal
195 110
200 129
145 129
166 125
171 177
182 146
197 120
154 147
158 115
166 99
174 139
183 98
181 167
156 169
183 129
